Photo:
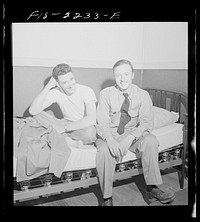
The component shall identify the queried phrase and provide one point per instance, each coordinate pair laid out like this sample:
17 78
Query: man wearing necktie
125 118
125 122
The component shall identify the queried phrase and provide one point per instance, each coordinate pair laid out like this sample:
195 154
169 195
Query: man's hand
114 147
126 143
67 127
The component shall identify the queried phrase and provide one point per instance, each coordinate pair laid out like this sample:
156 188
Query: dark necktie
125 118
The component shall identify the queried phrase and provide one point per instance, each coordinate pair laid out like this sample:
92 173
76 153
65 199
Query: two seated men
122 121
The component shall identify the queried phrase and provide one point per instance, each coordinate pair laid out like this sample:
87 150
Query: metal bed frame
48 184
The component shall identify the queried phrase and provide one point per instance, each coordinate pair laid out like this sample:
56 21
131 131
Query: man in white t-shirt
77 103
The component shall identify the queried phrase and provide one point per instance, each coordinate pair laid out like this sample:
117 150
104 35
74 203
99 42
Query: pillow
163 117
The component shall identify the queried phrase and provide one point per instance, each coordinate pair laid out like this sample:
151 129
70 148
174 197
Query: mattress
80 159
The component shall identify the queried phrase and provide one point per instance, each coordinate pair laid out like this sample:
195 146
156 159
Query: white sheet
167 136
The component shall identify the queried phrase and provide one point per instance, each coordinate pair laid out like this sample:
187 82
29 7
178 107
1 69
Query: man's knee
151 141
101 146
150 138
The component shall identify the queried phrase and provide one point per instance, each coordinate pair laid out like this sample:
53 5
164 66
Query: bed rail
170 100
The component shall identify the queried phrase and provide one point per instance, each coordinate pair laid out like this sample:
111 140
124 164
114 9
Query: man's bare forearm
37 104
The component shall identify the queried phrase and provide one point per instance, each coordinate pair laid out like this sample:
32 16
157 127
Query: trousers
106 163
86 135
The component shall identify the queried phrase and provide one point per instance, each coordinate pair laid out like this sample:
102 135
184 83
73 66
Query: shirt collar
129 90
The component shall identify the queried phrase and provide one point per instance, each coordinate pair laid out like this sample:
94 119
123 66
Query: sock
150 187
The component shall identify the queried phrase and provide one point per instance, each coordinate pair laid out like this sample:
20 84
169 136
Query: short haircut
60 69
122 62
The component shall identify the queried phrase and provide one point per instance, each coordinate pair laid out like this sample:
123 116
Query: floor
128 192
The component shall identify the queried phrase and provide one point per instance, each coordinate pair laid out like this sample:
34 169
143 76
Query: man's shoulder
84 87
86 92
108 90
140 90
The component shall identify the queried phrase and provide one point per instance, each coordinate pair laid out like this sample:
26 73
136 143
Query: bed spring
49 179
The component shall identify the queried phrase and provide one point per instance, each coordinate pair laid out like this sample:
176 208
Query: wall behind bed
168 79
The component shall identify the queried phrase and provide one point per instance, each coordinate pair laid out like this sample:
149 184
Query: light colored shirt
108 111
72 106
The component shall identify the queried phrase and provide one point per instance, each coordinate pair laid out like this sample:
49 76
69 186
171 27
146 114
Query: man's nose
122 79
70 84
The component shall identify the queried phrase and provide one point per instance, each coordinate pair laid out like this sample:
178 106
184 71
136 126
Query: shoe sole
152 199
167 201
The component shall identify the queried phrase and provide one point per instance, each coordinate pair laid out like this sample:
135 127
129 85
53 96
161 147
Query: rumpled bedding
39 149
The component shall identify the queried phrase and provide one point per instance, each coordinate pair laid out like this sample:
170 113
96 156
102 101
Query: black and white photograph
100 110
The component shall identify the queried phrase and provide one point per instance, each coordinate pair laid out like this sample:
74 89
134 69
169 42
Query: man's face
123 76
67 83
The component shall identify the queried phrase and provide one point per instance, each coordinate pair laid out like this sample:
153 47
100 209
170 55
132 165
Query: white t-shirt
73 106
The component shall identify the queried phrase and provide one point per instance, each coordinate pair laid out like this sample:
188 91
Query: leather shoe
163 197
108 202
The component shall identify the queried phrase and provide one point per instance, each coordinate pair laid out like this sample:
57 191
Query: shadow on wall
107 83
26 113
54 108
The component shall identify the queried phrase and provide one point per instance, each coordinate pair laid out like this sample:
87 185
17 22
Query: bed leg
185 136
182 176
